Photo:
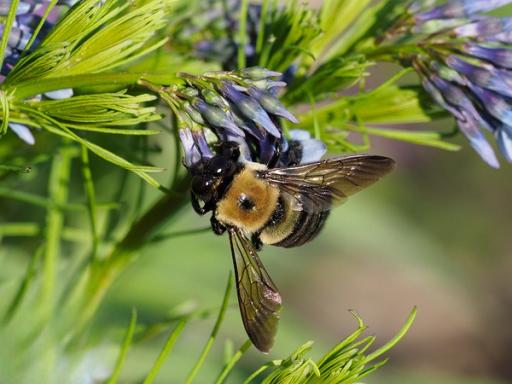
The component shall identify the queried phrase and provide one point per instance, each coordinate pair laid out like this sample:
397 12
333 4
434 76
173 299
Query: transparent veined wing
318 186
258 297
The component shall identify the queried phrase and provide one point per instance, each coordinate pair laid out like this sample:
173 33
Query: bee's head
210 180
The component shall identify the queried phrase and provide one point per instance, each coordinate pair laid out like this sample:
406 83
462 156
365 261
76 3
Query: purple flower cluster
28 17
240 107
466 65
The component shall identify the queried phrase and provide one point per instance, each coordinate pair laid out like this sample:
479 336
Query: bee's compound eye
246 203
202 187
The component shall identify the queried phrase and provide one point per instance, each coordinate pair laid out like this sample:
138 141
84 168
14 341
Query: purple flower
455 9
239 107
466 66
487 28
195 146
249 108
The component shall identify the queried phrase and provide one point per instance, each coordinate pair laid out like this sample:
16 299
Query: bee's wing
258 297
320 185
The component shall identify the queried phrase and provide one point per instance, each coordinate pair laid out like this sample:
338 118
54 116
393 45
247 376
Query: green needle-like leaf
169 344
91 199
231 363
11 15
25 283
58 190
124 349
214 333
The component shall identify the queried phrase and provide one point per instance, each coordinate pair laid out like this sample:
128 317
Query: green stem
124 349
171 340
91 199
25 283
261 28
7 29
321 112
30 88
39 201
231 363
187 232
58 192
390 52
242 34
191 376
104 272
33 38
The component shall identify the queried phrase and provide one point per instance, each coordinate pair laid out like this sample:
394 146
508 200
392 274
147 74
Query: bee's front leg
217 227
197 207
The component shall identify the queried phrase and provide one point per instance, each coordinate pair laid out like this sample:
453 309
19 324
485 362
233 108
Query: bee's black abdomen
307 227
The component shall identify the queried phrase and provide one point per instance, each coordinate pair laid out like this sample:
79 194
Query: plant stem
30 88
242 34
171 340
124 349
226 370
11 15
191 376
104 272
58 192
321 113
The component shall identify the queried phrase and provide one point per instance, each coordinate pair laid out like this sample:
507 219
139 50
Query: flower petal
312 149
469 128
460 8
504 140
486 28
60 94
485 76
23 132
195 146
216 117
271 104
249 107
496 105
502 57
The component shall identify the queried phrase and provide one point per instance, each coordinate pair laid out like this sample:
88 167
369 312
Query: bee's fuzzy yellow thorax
249 201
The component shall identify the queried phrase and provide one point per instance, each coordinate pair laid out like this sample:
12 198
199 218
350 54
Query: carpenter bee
282 206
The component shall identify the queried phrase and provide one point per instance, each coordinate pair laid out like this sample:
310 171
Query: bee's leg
217 227
232 149
197 207
275 157
256 241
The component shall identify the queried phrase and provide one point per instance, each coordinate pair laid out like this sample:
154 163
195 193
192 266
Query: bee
286 207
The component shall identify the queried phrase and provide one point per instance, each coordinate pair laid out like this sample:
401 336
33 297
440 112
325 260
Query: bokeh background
435 234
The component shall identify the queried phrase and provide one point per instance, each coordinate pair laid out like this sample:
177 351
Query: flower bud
271 104
189 92
216 116
213 98
193 113
257 73
250 108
